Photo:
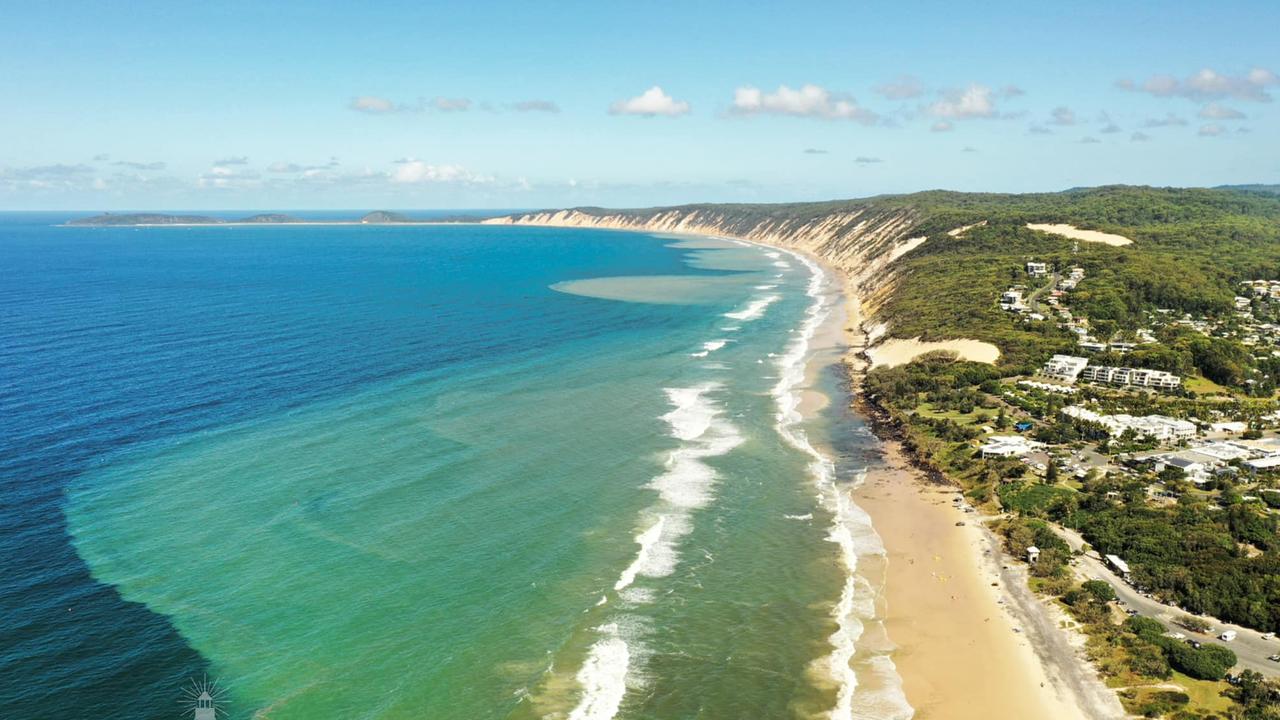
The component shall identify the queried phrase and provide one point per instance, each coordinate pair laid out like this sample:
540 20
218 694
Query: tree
1100 590
1193 623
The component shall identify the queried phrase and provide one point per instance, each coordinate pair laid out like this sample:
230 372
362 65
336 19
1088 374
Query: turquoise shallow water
536 473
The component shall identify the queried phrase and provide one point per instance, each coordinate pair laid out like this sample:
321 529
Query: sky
290 105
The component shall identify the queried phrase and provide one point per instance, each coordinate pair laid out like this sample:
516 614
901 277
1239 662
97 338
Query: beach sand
958 653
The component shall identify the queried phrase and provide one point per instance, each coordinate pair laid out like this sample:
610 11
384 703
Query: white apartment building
1140 377
1064 367
1008 446
1162 428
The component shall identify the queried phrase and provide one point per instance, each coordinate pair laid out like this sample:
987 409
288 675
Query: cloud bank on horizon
509 116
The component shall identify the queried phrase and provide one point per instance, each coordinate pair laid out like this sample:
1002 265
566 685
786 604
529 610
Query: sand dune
900 352
1076 233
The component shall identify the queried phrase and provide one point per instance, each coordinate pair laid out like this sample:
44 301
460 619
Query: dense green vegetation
1191 248
1191 555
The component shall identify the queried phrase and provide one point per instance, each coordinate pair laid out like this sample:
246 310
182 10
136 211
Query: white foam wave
764 287
686 483
850 528
647 540
603 677
693 413
806 516
754 309
782 264
710 347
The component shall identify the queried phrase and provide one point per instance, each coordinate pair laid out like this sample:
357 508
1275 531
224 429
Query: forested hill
932 264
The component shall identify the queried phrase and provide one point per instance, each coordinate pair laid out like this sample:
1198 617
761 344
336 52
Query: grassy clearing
1030 498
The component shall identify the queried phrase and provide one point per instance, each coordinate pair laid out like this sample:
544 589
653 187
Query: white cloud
807 101
814 151
1108 126
223 177
444 104
235 160
942 126
1214 111
133 165
1208 84
1039 130
1169 120
45 176
418 172
1139 137
1012 91
1211 130
904 88
536 106
1089 140
975 101
650 103
1062 115
865 160
373 105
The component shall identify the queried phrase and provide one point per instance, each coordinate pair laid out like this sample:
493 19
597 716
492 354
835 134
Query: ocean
447 472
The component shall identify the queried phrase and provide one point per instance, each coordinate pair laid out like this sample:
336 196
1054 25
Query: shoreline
973 642
966 636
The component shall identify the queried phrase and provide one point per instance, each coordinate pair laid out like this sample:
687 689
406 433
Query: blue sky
518 104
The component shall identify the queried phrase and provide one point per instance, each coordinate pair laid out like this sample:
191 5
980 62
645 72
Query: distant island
377 217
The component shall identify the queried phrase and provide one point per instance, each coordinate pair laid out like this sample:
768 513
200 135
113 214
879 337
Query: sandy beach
948 610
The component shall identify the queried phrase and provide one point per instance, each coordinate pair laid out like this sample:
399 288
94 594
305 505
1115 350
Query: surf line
847 517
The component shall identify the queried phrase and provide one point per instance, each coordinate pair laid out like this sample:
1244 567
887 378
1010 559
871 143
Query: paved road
1033 302
1249 647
